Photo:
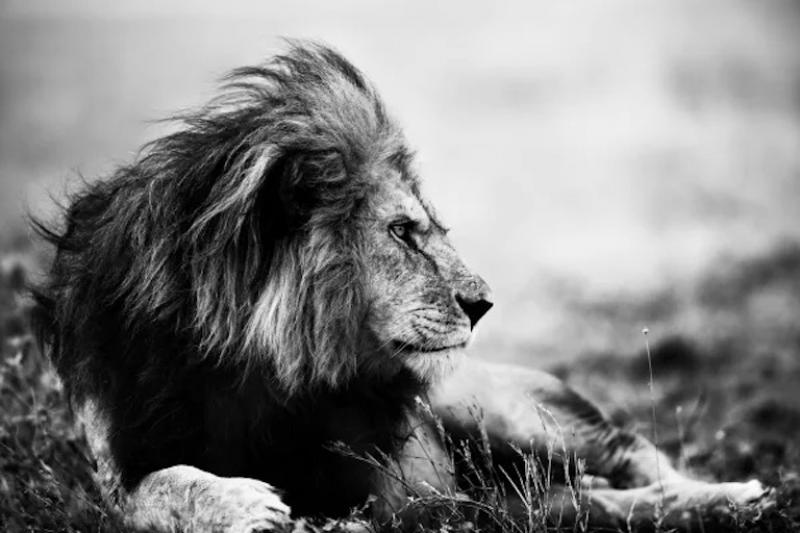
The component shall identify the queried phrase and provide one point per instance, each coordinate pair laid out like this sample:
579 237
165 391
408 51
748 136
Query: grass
722 412
45 469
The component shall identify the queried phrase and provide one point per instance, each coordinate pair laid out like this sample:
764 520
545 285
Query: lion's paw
241 505
745 493
729 494
184 498
716 498
749 499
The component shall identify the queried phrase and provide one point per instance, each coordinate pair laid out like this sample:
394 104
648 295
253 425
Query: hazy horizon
601 151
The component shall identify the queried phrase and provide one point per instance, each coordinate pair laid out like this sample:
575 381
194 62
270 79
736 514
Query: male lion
267 286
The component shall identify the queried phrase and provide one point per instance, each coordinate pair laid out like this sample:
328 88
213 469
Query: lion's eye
402 231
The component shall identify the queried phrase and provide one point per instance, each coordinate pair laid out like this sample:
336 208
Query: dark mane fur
206 293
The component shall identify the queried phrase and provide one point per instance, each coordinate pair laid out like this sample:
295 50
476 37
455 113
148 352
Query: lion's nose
475 306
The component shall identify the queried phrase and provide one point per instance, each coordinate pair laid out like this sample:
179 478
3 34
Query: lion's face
423 301
279 231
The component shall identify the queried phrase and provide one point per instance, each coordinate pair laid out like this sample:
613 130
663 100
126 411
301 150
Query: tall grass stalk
645 332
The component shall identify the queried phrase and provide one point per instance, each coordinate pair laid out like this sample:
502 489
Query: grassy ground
723 411
45 471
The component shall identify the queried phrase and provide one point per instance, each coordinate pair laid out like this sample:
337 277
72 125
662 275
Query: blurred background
586 154
606 165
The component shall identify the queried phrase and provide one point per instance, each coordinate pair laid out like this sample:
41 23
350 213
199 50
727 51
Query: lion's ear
277 213
269 192
262 185
297 185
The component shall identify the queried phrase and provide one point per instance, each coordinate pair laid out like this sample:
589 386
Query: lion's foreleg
181 498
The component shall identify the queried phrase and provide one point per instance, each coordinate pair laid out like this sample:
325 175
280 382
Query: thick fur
179 246
214 287
268 281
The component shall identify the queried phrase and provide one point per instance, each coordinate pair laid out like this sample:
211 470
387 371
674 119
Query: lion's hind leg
643 485
682 505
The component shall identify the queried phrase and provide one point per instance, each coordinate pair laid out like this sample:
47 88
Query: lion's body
266 283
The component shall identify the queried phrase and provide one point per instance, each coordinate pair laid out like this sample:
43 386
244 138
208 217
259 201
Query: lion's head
422 300
281 228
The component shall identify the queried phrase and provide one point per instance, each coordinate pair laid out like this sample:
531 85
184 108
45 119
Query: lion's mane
228 249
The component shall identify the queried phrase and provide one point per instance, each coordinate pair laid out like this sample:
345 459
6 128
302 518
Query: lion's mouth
404 347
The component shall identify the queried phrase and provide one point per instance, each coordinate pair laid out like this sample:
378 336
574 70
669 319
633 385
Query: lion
266 286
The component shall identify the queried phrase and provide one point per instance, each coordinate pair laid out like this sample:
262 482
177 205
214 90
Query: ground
723 412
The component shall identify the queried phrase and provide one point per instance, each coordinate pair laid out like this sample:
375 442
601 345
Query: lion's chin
433 367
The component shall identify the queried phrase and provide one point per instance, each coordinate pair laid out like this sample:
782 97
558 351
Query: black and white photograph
421 267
